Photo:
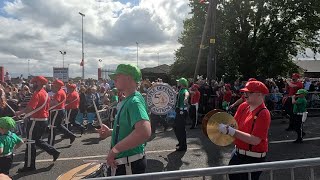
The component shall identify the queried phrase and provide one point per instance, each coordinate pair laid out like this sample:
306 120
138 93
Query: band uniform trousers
57 123
238 159
298 125
35 130
180 127
137 167
193 115
72 119
6 163
288 108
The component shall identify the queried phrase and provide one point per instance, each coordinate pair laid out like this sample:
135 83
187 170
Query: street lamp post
137 54
82 15
63 53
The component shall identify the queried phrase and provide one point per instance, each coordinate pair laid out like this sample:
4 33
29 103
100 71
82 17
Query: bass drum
88 170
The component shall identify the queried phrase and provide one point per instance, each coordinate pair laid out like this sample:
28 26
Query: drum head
89 170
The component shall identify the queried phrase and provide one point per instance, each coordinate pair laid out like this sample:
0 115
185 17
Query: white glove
225 129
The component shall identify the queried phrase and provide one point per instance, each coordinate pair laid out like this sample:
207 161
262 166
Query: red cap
58 83
255 86
195 86
252 79
39 79
295 76
71 86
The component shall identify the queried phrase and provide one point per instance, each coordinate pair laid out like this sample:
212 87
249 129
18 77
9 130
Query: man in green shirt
131 127
181 115
299 107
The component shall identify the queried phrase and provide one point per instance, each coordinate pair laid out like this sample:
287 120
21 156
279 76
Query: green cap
115 90
183 81
127 69
302 91
7 123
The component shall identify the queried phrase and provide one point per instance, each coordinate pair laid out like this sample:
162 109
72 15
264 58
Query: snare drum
88 170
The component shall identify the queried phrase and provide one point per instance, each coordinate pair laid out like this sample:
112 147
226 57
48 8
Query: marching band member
299 102
251 138
292 87
193 110
181 115
57 113
9 142
38 109
131 128
72 107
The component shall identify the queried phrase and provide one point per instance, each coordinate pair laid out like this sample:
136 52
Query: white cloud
37 30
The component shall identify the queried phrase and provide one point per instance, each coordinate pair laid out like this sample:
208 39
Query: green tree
253 37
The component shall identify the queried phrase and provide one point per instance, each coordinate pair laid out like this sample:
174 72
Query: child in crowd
9 142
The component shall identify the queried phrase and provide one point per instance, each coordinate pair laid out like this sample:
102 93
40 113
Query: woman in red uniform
251 138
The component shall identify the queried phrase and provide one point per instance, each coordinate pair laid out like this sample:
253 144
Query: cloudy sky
35 31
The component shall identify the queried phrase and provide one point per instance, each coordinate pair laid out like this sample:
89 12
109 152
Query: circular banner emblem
161 98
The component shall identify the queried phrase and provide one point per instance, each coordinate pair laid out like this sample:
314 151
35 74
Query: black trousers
193 115
298 125
137 167
288 108
35 130
242 159
155 120
180 127
57 122
6 163
72 119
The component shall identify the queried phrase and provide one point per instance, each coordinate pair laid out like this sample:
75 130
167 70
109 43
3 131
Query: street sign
61 73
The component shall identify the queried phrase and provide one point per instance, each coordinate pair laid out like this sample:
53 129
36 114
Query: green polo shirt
132 110
8 141
300 106
181 94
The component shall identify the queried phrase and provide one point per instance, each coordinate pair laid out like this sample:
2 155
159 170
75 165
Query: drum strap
253 123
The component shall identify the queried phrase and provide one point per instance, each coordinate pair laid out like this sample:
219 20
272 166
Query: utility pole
203 39
82 15
63 53
211 60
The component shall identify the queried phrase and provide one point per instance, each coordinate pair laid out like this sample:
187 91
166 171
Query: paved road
162 157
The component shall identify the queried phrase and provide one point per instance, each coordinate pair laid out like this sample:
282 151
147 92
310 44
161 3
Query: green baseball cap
302 91
7 123
127 69
183 81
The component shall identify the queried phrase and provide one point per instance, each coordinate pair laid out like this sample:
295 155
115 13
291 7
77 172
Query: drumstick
10 107
98 115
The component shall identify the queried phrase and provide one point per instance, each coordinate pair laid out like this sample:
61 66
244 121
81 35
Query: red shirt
38 98
195 97
244 118
73 100
59 97
293 90
227 96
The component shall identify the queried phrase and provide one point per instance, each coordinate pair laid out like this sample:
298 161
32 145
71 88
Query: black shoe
26 169
181 149
298 141
55 156
72 139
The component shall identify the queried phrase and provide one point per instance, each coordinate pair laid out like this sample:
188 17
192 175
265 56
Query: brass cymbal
213 128
206 119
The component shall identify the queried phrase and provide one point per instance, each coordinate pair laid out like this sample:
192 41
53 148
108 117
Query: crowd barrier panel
266 167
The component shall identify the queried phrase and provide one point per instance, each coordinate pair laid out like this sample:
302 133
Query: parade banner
61 73
161 98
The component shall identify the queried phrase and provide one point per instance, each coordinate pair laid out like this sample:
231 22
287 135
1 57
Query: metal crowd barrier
267 167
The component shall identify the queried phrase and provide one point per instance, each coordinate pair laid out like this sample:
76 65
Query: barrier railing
269 167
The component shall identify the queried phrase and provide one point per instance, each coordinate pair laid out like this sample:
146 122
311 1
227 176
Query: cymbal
206 119
213 128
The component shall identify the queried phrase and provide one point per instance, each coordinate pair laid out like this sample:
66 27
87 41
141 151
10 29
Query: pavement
161 153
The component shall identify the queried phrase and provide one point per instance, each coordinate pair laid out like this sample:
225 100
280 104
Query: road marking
152 152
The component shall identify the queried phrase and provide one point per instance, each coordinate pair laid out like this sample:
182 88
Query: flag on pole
82 63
